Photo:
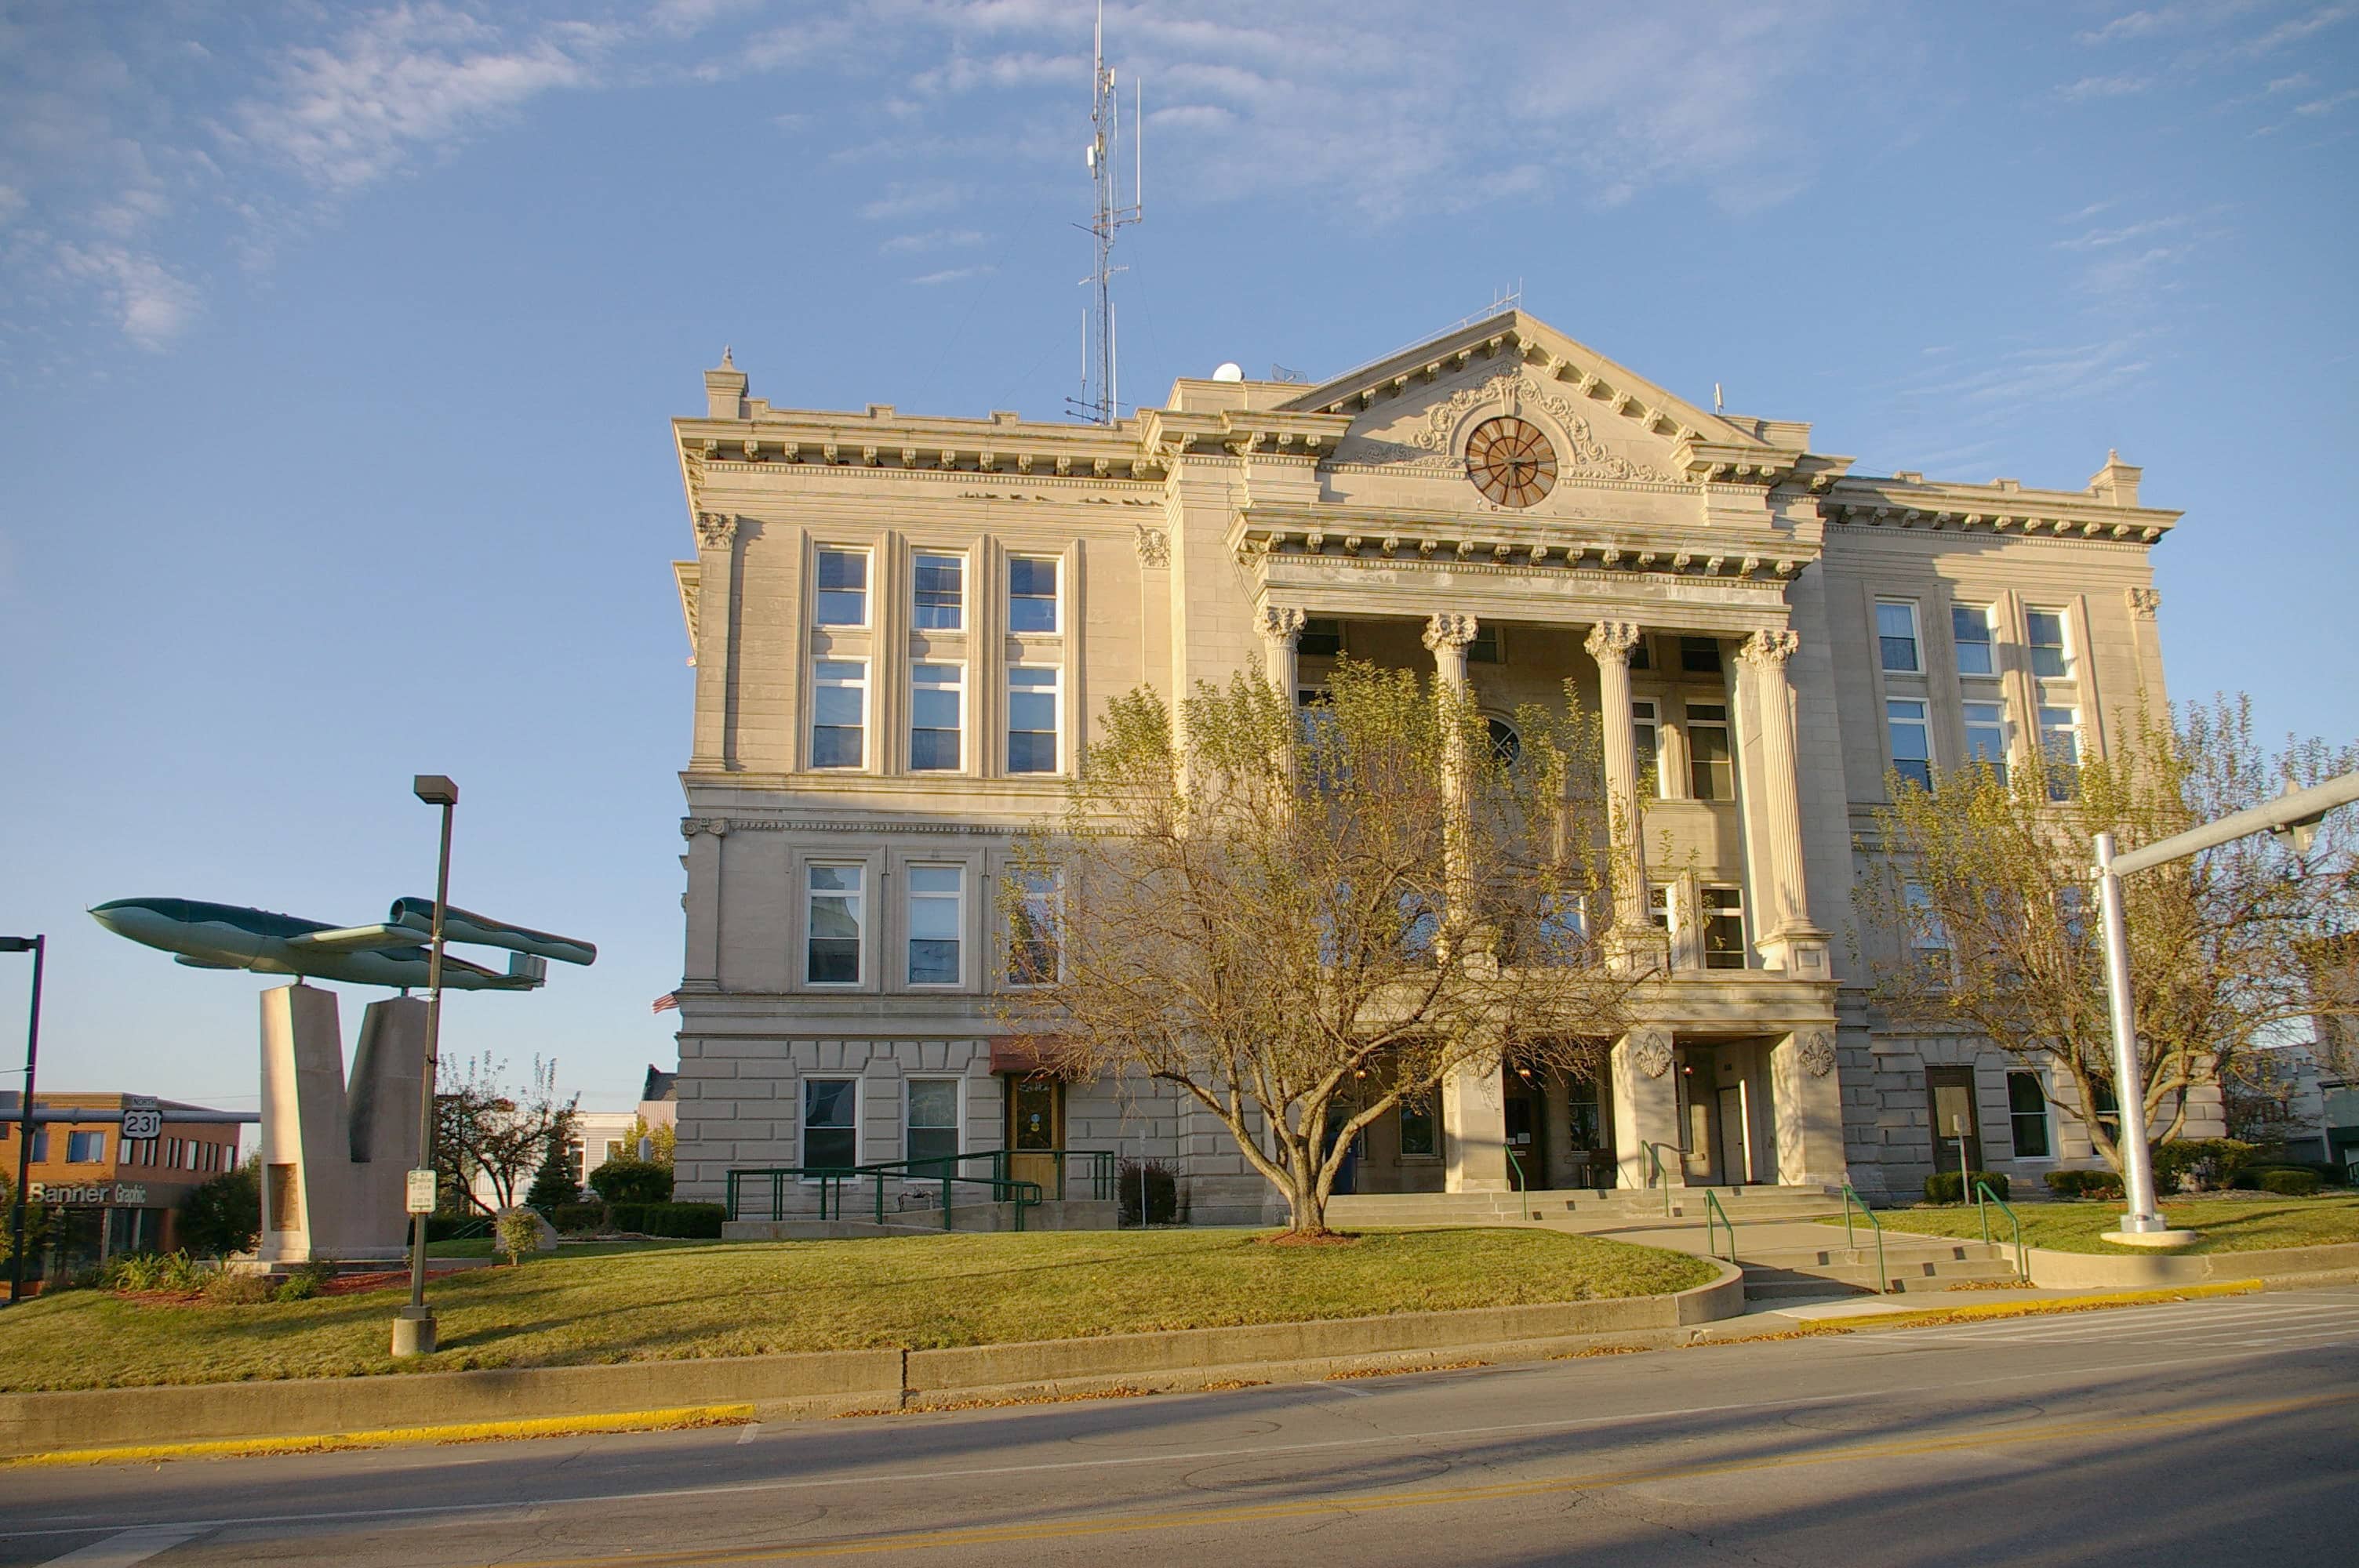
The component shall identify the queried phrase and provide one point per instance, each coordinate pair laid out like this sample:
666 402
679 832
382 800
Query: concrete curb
447 1406
2079 1271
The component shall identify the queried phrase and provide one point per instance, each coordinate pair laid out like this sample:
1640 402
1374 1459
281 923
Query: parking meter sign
140 1117
421 1192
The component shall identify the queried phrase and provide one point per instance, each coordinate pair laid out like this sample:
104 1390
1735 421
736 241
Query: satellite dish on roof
1231 370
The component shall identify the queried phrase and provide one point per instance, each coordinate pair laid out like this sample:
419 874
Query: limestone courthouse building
904 628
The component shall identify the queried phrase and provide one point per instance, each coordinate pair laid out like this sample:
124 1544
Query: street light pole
2295 815
38 946
413 1327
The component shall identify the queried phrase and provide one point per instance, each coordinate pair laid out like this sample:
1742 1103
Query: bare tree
482 1126
1987 918
1281 910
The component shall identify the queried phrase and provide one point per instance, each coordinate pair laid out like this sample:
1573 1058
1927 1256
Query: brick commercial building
107 1194
904 628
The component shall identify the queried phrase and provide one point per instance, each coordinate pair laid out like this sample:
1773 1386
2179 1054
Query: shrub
226 1289
304 1283
2213 1161
1948 1186
632 1181
2289 1183
1145 1193
2084 1184
690 1221
578 1219
516 1232
151 1272
223 1215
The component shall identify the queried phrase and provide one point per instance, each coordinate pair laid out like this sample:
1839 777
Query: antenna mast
1097 402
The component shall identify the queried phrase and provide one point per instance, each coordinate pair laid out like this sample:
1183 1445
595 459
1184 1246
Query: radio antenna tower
1099 402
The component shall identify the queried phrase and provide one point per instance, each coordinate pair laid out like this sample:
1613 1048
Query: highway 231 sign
140 1117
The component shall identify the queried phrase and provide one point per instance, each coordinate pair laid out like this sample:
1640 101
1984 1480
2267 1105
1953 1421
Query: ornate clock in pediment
1511 461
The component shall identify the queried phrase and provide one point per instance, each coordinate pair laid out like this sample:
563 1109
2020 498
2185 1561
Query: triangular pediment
1410 407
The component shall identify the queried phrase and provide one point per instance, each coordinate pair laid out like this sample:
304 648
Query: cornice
1900 502
1556 543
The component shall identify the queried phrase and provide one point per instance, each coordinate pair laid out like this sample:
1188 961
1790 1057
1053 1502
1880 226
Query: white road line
129 1547
747 1435
1355 1393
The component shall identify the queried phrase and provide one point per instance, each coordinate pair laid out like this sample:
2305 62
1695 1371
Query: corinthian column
1609 643
1281 629
1473 1110
1785 907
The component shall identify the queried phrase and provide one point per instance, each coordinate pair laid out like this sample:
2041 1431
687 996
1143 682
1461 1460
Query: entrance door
1950 1093
1526 1118
1736 1157
1035 1123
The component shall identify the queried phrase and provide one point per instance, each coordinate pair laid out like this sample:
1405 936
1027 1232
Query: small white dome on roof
1230 371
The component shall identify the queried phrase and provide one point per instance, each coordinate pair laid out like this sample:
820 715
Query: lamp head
17 943
435 789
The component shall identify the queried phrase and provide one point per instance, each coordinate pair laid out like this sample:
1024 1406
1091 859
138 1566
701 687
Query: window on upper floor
937 716
1724 928
1926 938
2050 658
936 917
938 591
839 713
1896 636
1034 956
84 1148
1700 655
1912 741
1986 736
1320 639
1645 731
1969 629
842 587
1506 746
1032 593
832 922
1484 648
1639 658
2060 745
1711 774
1662 909
1032 703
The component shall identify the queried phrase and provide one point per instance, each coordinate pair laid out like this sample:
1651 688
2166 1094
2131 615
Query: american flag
667 1002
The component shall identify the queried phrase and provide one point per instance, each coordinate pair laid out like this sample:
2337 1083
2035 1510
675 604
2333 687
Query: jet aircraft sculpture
391 953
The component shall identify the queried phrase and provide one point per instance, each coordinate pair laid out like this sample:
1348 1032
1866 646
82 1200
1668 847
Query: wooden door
1036 1124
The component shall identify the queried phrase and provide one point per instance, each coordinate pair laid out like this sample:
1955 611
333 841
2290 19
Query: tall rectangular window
834 926
1896 636
1484 648
1986 736
937 716
2060 744
1649 741
830 1124
1320 639
929 1127
1926 938
1032 702
937 917
1970 628
1724 928
2026 1115
41 1141
1417 1127
1032 594
1712 775
1912 741
839 713
2051 659
1662 910
939 587
1700 655
1564 922
1032 957
843 588
84 1148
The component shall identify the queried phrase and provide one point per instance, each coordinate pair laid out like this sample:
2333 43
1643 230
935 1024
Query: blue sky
337 343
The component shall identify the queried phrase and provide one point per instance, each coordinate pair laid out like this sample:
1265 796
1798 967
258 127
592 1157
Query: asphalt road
2213 1432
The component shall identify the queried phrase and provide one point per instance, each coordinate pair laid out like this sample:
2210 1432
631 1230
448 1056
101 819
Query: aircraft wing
354 939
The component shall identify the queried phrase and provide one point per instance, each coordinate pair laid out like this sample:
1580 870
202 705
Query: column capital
1449 629
1770 647
716 530
1612 640
2144 602
1281 623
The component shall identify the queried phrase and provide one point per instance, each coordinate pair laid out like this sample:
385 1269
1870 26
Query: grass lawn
661 1302
2227 1224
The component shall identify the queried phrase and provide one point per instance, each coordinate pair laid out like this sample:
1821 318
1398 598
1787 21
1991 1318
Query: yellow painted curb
1988 1312
465 1431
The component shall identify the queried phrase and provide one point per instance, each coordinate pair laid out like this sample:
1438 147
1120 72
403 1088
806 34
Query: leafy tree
633 1181
38 1217
223 1215
516 1232
664 1139
482 1126
1986 919
553 1184
1281 910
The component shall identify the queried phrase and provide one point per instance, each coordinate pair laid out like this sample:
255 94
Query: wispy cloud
2327 105
953 275
933 240
2122 86
912 201
2099 239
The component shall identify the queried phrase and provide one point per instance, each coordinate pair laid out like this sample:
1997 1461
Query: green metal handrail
1983 1191
1515 1167
1883 1274
1711 1207
829 1178
1098 1170
1655 1176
